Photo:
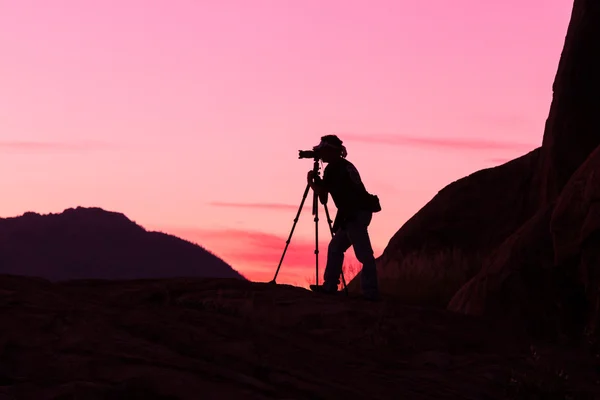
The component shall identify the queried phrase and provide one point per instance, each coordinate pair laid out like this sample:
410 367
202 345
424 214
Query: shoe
322 289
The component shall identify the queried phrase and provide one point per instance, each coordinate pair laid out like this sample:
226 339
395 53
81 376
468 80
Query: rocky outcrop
472 228
94 243
573 126
576 216
546 275
442 246
520 284
575 229
523 254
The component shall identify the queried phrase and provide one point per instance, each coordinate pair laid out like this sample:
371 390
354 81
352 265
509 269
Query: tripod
315 212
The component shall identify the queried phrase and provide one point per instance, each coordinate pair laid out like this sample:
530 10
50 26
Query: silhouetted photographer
355 208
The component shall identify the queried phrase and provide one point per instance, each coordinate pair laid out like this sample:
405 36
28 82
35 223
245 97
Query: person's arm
318 186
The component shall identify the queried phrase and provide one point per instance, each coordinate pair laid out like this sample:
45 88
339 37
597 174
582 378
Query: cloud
431 142
264 206
38 146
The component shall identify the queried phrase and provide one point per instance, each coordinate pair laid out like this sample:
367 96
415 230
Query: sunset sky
187 115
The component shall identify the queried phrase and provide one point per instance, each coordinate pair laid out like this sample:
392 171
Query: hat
334 142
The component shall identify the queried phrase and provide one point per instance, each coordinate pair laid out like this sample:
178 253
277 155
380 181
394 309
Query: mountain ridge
90 242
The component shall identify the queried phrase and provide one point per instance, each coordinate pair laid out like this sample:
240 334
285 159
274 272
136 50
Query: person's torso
345 186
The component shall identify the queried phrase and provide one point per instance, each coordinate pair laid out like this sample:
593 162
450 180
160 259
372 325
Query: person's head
331 148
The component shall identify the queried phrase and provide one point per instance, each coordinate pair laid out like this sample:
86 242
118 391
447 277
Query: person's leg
359 236
335 259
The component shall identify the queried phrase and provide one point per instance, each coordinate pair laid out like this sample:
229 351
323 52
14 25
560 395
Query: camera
314 153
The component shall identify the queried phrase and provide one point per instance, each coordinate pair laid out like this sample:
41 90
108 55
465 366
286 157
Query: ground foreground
231 339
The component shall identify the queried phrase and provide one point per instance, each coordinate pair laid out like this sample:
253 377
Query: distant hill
91 243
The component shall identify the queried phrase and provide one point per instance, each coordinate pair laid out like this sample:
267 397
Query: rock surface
575 228
525 253
233 339
559 257
573 126
443 245
576 215
547 274
93 243
520 285
471 231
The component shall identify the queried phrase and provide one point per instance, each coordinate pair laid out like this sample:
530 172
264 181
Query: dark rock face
442 246
523 235
527 248
573 126
559 256
577 215
520 284
92 243
575 228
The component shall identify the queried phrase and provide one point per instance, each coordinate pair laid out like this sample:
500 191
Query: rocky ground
231 339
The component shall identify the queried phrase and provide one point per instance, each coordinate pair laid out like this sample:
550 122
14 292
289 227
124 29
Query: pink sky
187 115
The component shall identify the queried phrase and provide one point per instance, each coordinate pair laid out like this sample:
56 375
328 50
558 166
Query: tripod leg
316 214
287 243
330 223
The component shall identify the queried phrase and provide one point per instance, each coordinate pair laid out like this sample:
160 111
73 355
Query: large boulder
525 253
572 129
443 245
547 274
577 213
575 229
520 284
